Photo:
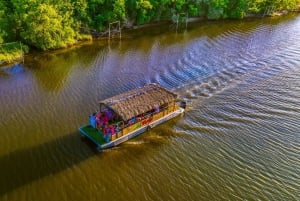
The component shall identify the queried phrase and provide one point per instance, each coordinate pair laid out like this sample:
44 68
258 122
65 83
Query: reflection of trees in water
166 35
51 69
149 48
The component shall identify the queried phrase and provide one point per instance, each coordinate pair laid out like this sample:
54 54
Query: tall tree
236 8
217 9
80 12
47 29
119 10
2 22
8 26
255 6
143 7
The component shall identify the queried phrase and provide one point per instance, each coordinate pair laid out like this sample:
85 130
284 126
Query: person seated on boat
156 109
112 129
117 129
132 120
106 129
103 119
97 115
109 113
120 127
140 117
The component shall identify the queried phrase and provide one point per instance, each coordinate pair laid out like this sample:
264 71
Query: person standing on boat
103 119
93 121
106 133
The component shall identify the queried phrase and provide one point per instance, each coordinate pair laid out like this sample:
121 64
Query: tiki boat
129 114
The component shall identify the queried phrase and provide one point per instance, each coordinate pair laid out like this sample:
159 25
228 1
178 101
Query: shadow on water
25 166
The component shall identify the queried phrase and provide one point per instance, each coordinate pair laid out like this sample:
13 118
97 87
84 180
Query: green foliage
46 28
98 16
84 37
193 10
179 5
11 51
1 38
3 21
119 10
237 9
2 35
255 6
216 9
143 9
79 11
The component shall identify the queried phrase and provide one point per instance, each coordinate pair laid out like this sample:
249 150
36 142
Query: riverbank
104 35
10 57
13 54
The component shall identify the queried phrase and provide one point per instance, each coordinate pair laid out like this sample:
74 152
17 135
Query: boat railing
152 116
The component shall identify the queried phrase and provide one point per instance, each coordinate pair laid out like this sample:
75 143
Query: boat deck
93 134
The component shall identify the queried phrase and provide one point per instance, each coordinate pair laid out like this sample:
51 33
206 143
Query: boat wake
138 142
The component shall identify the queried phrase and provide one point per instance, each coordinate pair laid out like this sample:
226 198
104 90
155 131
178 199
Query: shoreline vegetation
57 24
12 52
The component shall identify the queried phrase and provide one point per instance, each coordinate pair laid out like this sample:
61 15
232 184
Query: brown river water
238 140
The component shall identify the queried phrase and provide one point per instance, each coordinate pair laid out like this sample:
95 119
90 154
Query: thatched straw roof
139 100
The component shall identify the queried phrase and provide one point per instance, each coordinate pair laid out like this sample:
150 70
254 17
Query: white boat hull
135 132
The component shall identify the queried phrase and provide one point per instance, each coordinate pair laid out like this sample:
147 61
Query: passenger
112 129
103 119
140 117
109 114
93 121
97 115
156 109
132 120
106 133
104 130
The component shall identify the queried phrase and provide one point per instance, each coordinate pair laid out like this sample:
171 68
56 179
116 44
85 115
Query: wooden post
109 31
22 52
186 20
179 20
120 29
111 26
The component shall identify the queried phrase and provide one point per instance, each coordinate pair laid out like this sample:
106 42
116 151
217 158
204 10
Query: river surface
238 140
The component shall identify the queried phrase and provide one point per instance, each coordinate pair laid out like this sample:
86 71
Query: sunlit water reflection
238 140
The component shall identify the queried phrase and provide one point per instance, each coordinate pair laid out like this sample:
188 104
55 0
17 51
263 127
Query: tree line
52 24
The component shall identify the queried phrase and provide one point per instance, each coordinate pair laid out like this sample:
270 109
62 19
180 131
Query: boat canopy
140 100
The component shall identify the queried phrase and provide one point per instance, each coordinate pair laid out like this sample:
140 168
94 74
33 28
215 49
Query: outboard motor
182 104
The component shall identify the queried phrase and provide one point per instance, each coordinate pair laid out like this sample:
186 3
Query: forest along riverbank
69 23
